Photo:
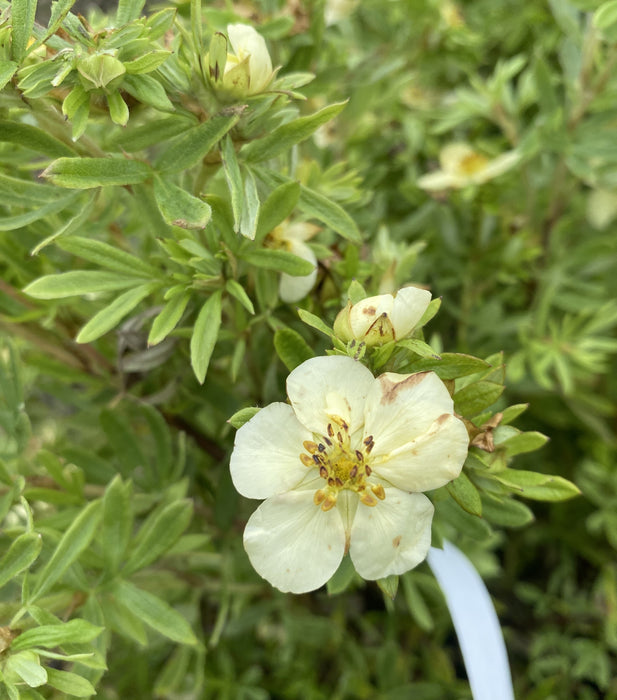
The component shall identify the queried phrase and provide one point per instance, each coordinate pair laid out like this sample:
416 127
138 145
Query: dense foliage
162 218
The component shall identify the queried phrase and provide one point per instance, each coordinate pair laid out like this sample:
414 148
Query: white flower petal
364 314
292 289
497 166
428 462
293 544
393 536
439 180
266 455
244 40
453 154
410 303
326 386
400 407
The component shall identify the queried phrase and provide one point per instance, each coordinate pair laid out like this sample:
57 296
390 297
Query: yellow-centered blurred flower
342 470
380 319
461 166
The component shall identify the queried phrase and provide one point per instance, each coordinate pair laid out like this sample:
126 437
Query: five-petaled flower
342 469
377 320
461 166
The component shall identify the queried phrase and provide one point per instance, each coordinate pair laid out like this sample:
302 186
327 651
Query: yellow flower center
341 466
472 164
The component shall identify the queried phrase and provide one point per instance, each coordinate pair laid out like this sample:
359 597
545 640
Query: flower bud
247 70
380 319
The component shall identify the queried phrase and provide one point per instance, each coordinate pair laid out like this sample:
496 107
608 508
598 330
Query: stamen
319 497
329 503
368 499
378 490
321 447
367 470
306 460
360 456
353 472
323 472
310 446
330 430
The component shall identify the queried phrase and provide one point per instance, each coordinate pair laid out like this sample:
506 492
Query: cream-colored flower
342 470
461 166
377 320
248 69
292 237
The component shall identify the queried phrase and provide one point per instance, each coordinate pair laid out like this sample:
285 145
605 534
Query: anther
330 430
310 446
360 456
353 471
319 497
338 482
339 437
367 470
378 490
329 502
306 460
368 499
317 459
323 472
331 481
321 447
328 442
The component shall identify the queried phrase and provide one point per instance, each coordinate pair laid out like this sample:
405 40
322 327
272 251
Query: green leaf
243 416
7 71
419 347
84 173
505 512
316 205
147 62
416 604
287 135
179 208
77 283
73 542
315 322
237 290
75 222
117 522
148 91
168 318
512 412
291 347
323 209
70 683
537 486
155 612
242 207
28 667
107 256
23 551
22 22
465 494
278 260
111 315
50 636
118 109
33 138
389 586
474 398
189 148
205 333
128 10
342 577
451 365
278 206
605 17
523 442
159 532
